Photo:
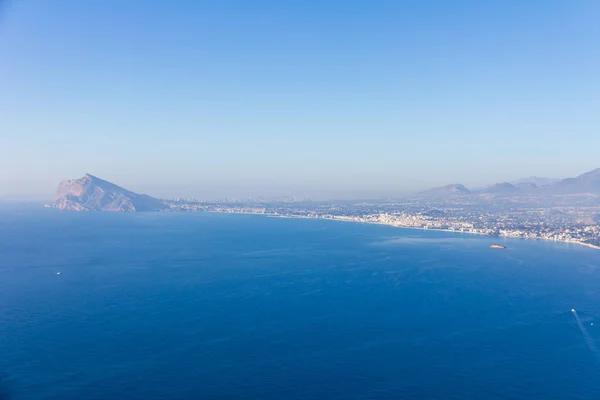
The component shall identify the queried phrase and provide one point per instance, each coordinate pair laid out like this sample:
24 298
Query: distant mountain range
455 189
584 183
588 183
90 193
537 181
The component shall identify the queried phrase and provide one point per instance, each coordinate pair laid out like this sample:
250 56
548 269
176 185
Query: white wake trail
589 340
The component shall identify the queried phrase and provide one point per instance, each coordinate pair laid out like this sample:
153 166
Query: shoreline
271 215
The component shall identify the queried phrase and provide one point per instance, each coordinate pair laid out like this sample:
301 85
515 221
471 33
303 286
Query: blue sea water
216 306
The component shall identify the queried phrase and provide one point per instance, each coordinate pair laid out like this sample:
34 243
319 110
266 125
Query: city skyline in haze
338 99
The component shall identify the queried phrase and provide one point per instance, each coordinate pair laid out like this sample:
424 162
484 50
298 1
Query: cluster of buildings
583 234
574 224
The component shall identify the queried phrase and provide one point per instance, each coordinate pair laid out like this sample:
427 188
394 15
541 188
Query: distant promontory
90 193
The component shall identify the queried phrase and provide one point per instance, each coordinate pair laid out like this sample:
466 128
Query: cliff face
94 194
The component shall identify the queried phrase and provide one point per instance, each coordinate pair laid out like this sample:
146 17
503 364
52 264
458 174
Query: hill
90 193
535 180
588 183
455 189
503 188
584 184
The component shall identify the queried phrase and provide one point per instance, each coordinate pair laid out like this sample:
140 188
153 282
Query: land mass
90 193
584 184
566 210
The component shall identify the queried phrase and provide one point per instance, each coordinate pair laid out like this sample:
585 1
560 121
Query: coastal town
567 210
562 224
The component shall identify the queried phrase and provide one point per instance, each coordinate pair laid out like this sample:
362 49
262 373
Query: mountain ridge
454 189
587 183
536 180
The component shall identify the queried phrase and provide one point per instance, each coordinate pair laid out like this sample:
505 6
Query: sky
315 98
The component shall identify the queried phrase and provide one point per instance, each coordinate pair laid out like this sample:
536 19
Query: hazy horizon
337 100
246 190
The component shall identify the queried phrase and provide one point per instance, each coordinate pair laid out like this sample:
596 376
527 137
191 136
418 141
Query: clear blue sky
330 98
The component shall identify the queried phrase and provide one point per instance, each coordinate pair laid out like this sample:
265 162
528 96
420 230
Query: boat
497 246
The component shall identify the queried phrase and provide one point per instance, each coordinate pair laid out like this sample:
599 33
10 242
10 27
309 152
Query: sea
223 306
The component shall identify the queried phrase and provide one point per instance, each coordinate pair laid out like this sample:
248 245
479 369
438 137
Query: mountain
94 194
455 189
527 187
535 180
503 188
588 183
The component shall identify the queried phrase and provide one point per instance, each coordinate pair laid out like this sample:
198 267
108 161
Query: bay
221 306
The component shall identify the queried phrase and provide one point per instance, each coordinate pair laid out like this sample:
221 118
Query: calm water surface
210 306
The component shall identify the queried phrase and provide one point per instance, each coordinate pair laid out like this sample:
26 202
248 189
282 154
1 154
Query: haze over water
215 306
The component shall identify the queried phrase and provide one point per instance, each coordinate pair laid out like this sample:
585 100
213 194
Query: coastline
271 215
